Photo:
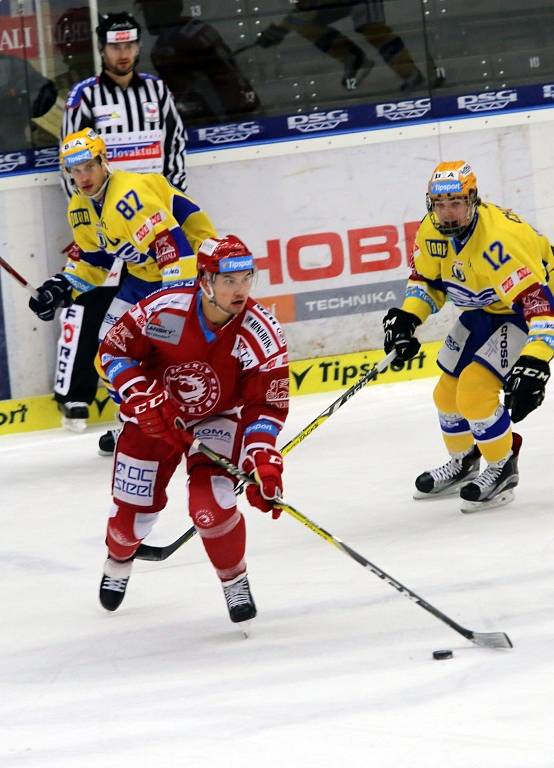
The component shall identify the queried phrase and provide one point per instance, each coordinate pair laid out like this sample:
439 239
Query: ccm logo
153 402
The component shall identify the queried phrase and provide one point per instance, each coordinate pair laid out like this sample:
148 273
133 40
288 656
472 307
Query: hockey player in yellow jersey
138 219
495 268
138 222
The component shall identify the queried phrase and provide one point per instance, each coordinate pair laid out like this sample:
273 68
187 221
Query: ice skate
494 487
74 416
449 478
114 583
106 442
240 602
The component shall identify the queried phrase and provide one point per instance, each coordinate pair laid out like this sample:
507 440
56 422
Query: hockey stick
151 552
338 403
482 639
20 279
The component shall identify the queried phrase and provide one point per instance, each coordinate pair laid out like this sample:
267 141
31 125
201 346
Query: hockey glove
525 386
155 412
399 333
266 466
53 293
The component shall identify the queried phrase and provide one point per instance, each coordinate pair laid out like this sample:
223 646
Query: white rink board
279 197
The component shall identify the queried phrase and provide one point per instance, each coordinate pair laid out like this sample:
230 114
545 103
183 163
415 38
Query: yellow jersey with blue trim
501 266
144 220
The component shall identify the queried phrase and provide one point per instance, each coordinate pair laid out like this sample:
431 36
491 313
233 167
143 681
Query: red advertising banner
18 36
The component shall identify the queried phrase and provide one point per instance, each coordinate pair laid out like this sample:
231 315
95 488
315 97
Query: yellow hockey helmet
450 181
81 146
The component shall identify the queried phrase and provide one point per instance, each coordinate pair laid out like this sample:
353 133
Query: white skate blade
74 425
452 490
500 500
245 629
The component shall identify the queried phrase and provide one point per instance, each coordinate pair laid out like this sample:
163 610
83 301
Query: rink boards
307 377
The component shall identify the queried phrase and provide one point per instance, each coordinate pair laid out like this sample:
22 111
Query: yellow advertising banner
307 377
325 374
27 414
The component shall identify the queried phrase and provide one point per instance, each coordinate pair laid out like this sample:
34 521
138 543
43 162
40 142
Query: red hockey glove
155 413
266 466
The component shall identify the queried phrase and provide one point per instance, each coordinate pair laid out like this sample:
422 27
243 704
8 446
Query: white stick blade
491 639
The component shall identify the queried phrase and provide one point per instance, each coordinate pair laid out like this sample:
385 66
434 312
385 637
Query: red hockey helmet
227 254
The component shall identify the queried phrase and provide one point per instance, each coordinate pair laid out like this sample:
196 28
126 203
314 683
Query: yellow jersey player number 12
495 268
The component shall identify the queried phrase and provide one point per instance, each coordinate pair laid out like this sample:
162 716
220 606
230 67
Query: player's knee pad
478 392
444 394
126 529
212 502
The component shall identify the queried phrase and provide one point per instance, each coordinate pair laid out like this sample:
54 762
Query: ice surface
338 670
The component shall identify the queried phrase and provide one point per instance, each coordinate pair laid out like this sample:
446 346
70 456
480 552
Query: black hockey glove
272 35
525 386
399 333
53 293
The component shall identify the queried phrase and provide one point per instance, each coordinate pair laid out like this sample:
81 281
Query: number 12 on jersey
496 255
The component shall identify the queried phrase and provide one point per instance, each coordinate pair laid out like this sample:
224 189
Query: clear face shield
89 177
452 214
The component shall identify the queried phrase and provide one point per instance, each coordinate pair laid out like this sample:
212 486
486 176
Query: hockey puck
442 655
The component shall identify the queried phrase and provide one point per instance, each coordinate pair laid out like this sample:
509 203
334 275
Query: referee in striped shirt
136 115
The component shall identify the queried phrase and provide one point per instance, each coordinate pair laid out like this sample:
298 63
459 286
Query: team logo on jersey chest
195 386
458 271
437 248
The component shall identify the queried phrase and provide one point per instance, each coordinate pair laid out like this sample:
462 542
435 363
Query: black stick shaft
491 639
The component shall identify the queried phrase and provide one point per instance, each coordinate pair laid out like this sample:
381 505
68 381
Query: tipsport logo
410 109
317 121
225 134
487 102
548 91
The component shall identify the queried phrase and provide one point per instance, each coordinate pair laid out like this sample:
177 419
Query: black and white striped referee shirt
140 124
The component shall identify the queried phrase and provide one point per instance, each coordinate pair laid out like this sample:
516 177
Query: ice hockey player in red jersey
209 353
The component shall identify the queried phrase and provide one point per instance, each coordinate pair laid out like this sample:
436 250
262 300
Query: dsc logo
224 134
317 121
486 102
411 109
